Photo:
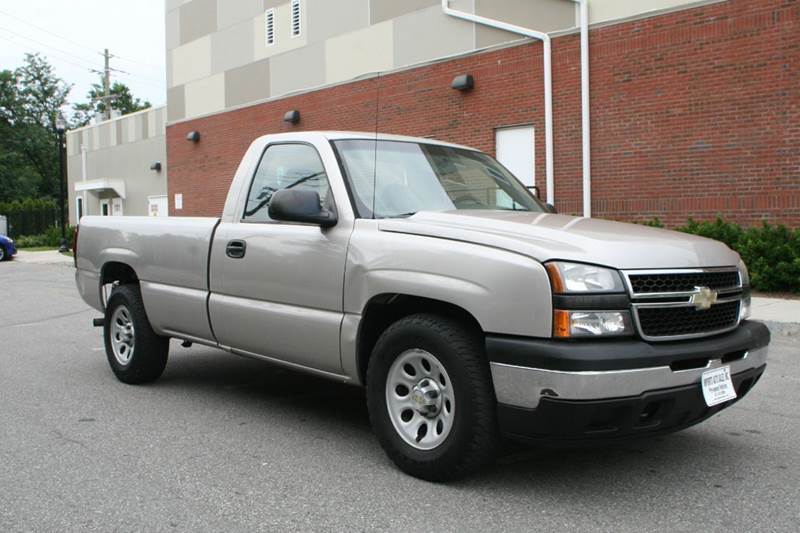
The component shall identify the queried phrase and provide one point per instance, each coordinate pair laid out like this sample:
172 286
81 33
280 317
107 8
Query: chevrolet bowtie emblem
703 298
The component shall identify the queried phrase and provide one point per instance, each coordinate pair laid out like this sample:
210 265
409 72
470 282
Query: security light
292 117
193 136
463 82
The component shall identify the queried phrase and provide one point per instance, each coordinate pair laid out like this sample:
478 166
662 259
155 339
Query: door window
286 166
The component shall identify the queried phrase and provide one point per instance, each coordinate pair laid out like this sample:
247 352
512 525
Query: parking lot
223 443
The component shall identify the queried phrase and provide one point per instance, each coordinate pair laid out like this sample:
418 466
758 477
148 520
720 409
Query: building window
78 208
269 26
296 25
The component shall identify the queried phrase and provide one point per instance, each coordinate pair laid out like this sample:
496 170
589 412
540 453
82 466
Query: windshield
396 178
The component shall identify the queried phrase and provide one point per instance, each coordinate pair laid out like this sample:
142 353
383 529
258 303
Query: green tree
30 98
122 100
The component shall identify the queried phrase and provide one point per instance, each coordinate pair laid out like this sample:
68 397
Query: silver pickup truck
427 273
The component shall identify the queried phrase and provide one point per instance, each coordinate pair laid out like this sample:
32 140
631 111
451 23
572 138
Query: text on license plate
717 386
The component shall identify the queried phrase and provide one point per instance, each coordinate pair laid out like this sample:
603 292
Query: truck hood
544 236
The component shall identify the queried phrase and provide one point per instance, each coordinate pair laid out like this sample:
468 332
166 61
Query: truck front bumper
557 390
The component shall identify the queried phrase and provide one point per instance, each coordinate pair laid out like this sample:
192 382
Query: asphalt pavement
223 443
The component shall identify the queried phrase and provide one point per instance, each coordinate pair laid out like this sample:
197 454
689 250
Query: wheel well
117 272
385 309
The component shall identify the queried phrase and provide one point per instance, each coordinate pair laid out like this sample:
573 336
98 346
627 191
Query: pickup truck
428 274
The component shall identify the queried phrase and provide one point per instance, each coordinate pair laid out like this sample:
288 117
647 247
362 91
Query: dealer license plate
717 386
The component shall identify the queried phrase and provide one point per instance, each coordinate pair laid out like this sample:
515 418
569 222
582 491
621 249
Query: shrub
50 238
771 252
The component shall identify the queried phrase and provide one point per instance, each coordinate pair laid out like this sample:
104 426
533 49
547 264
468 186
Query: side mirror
551 208
294 205
534 189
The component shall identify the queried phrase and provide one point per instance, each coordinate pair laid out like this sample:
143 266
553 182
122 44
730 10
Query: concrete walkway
48 257
776 309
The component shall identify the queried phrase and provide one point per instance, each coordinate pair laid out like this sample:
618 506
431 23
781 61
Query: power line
76 43
29 48
84 63
40 43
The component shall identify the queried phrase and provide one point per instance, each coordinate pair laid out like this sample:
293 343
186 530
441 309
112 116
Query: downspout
83 178
586 140
548 80
548 93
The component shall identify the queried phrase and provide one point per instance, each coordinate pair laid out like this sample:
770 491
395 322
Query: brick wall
694 113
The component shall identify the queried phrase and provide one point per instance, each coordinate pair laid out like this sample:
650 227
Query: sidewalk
775 309
49 257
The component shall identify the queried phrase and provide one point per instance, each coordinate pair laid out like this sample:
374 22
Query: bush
771 252
50 238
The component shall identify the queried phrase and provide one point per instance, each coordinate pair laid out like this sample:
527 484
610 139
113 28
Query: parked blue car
7 248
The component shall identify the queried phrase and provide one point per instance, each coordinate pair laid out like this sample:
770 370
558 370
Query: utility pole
107 83
107 97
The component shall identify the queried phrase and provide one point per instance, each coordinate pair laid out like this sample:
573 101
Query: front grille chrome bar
650 300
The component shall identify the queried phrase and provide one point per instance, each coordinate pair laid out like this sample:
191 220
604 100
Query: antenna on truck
375 151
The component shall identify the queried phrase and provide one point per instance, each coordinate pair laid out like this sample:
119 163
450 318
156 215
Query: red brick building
695 112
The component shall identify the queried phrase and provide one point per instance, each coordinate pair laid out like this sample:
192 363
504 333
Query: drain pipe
586 140
548 80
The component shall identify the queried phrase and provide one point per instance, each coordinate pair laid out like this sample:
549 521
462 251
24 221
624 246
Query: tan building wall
218 56
115 157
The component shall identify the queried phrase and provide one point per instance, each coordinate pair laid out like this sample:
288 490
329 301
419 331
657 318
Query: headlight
569 324
577 278
743 274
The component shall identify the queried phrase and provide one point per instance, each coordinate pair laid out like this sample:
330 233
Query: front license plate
717 386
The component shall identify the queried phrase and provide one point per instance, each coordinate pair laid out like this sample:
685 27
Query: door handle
236 249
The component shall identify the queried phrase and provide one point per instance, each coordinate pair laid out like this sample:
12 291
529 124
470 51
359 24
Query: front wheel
134 351
430 397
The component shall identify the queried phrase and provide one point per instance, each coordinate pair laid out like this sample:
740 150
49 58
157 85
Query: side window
285 166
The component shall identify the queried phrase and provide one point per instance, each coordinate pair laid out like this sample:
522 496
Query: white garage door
516 149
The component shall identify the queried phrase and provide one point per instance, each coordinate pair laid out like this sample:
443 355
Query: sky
73 33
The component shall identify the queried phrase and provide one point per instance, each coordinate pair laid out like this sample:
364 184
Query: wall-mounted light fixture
292 117
463 82
156 166
193 136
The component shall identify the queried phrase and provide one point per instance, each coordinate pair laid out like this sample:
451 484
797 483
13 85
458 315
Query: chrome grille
682 282
665 303
671 321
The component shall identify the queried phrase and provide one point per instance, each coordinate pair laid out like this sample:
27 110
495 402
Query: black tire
3 253
472 441
149 354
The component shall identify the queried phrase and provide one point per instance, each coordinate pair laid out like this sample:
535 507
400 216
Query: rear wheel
135 352
2 253
430 397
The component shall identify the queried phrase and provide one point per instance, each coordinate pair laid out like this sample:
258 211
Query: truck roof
340 135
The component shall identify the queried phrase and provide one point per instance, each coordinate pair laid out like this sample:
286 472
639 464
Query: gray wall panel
297 69
541 15
230 12
198 18
248 83
326 18
232 47
176 103
381 10
418 36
